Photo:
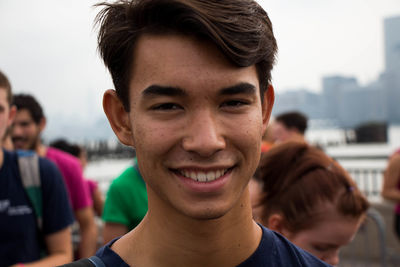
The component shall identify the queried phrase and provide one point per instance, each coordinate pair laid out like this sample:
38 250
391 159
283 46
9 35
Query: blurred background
338 63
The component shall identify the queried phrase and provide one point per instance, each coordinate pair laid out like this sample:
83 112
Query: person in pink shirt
70 167
27 127
80 153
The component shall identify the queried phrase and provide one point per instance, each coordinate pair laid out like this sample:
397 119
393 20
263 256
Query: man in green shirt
126 204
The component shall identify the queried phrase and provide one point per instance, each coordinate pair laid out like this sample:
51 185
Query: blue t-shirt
274 250
19 235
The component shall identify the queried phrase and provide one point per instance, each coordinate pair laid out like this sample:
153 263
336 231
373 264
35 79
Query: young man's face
25 132
6 114
196 121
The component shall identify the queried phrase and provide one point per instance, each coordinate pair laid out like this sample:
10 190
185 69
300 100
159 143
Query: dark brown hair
241 29
5 84
293 119
28 102
297 178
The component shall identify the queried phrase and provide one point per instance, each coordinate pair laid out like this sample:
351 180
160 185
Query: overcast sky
48 47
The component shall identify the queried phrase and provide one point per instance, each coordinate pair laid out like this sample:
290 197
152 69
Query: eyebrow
154 90
241 88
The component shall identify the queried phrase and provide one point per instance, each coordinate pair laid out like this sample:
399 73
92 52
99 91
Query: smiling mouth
203 176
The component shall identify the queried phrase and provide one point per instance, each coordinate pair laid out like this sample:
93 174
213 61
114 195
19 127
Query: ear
42 124
118 117
276 222
268 103
11 115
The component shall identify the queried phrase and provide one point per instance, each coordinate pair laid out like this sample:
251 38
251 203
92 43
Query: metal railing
368 180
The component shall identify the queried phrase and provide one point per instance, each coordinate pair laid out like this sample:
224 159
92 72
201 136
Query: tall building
347 103
301 100
391 76
392 44
334 90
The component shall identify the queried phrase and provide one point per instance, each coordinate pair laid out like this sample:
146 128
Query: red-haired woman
309 198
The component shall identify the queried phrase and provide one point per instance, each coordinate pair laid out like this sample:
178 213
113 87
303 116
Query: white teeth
203 176
210 176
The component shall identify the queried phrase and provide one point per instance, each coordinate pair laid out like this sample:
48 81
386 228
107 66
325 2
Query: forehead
6 93
23 115
3 95
332 227
187 62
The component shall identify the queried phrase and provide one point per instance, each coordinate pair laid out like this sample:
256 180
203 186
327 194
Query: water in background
105 170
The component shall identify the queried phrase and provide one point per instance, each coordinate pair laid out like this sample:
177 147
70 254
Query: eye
25 124
235 103
166 106
321 248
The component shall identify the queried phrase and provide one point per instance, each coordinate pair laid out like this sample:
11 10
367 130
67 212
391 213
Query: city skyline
345 102
48 49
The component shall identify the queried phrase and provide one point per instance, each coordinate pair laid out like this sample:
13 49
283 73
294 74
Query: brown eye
235 103
166 106
320 248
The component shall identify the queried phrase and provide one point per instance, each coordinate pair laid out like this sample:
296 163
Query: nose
15 129
203 134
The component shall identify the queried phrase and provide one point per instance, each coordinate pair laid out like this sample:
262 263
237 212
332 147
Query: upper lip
203 168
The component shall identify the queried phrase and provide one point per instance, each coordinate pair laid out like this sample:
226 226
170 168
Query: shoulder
394 161
128 176
9 157
47 165
109 257
276 250
49 172
9 168
291 254
69 167
62 159
396 156
33 161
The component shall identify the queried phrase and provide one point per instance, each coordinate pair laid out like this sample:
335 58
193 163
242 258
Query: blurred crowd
276 200
307 197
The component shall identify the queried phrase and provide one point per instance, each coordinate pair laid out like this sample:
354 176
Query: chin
207 213
206 216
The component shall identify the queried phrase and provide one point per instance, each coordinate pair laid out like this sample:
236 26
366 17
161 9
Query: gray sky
48 48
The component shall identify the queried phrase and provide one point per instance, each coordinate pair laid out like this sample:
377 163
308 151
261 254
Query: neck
41 149
170 239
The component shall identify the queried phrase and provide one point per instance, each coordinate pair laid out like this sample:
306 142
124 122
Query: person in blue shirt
193 97
22 241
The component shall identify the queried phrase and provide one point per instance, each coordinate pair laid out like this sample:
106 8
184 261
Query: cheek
28 132
33 132
152 138
249 134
